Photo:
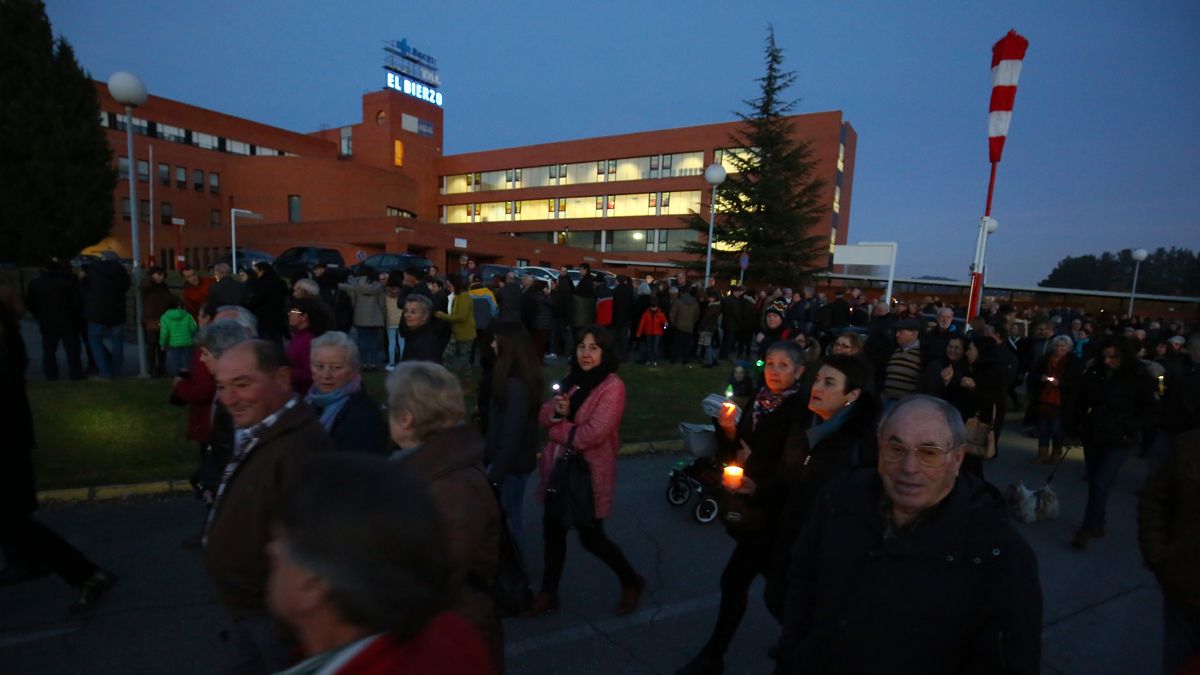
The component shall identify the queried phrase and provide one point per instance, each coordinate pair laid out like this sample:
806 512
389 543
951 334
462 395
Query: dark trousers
750 558
1103 464
32 544
70 343
155 356
1181 635
621 333
554 542
682 346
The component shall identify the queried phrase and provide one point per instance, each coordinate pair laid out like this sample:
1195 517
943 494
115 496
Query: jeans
1181 635
178 358
1103 464
395 345
650 348
254 645
110 357
369 339
1050 429
70 343
512 499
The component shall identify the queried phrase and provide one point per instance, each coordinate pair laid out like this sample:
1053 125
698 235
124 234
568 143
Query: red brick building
383 184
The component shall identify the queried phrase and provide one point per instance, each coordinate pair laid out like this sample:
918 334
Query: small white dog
1030 506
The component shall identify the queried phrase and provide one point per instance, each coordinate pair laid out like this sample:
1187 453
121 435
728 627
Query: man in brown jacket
1169 534
275 432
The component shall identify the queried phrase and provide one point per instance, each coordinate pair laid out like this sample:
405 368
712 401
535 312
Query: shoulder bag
569 496
981 438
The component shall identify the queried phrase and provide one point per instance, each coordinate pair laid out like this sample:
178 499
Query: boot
543 603
630 596
1043 455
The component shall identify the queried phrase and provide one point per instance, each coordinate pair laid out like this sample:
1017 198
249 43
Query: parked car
546 274
608 278
393 263
298 260
490 271
246 257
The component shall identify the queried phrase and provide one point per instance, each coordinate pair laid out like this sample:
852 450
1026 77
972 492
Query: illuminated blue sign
415 89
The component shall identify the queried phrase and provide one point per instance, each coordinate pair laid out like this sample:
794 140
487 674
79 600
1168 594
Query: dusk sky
1103 152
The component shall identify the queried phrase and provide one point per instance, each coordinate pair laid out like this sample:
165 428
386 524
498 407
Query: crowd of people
863 501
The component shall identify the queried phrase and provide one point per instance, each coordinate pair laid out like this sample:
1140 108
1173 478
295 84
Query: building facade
384 184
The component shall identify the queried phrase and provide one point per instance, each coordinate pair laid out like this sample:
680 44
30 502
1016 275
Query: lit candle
732 479
555 387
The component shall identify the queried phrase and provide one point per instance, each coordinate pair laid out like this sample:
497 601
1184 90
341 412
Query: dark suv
393 263
300 259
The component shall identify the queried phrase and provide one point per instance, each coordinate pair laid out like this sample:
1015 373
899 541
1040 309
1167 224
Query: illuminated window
346 141
203 140
653 200
397 153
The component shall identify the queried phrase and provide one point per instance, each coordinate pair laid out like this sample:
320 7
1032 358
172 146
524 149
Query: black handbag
569 496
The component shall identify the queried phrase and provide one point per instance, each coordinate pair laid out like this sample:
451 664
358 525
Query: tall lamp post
128 90
1138 254
715 175
233 215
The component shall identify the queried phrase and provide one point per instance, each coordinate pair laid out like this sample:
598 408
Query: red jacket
597 438
653 322
198 390
195 296
448 645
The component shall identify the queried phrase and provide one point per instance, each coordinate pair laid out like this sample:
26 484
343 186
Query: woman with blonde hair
426 418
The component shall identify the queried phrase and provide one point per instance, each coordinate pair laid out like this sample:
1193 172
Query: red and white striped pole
1007 56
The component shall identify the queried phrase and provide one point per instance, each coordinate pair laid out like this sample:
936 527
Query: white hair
336 338
244 318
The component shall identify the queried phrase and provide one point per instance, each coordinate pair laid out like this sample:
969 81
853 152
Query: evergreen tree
1174 271
56 174
771 200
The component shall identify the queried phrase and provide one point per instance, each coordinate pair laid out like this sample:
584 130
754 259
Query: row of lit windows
600 171
173 134
678 203
164 175
618 241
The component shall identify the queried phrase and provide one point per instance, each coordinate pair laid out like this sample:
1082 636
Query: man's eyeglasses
929 456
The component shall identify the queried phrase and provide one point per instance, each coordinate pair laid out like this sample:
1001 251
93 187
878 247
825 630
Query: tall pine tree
56 174
770 201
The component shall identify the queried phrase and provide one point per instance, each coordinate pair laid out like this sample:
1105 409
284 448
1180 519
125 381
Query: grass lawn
98 433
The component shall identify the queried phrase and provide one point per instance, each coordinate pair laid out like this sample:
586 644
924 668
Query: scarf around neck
331 403
586 381
767 401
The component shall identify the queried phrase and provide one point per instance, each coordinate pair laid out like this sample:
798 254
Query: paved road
1102 608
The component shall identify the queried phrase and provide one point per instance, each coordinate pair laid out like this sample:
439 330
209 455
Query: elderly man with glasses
915 567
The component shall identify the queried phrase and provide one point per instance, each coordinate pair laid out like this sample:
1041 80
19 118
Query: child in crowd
651 327
176 334
741 386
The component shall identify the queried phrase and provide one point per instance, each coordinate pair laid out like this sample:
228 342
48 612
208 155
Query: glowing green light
729 391
759 363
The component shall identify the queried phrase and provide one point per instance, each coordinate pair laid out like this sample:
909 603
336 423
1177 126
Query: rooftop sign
415 89
403 59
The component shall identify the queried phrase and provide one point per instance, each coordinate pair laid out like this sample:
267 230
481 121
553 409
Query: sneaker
552 356
389 367
92 590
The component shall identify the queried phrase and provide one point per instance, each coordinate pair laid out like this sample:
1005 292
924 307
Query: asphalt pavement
1102 608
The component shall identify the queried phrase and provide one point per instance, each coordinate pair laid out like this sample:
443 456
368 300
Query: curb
97 493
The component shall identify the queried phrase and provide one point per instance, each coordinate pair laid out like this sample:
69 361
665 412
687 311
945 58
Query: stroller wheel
706 510
678 492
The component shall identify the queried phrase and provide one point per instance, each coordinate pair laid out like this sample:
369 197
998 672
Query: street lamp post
233 214
128 90
715 175
1138 254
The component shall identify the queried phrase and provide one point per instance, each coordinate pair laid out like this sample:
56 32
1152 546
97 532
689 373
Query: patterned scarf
767 401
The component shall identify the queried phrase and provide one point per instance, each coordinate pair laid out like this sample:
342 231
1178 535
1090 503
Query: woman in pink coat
586 415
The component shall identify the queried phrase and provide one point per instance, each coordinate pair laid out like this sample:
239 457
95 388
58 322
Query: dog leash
1066 451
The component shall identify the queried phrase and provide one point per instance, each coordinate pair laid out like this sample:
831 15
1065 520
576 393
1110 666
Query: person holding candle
768 443
584 416
1053 384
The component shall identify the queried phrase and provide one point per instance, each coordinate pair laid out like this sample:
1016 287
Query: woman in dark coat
1115 406
421 341
945 373
839 437
980 392
30 548
1053 387
353 420
769 443
512 432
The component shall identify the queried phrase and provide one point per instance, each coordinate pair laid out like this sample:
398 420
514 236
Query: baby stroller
701 473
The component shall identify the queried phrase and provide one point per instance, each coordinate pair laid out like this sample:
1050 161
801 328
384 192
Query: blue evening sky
1103 152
